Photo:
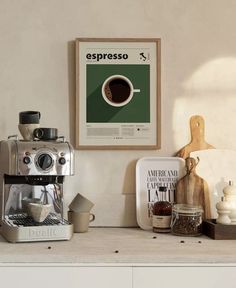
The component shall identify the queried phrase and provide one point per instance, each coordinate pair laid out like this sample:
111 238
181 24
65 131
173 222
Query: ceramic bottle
230 196
223 209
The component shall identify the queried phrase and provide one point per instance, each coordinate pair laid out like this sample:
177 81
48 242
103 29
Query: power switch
26 160
62 160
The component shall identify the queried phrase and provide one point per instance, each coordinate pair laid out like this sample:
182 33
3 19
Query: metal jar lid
187 209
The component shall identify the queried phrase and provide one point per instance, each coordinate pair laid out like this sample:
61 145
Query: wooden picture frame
118 93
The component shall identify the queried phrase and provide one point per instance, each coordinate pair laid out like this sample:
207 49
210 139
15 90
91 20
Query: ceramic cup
27 131
81 204
28 122
25 202
29 117
118 90
80 220
38 211
45 133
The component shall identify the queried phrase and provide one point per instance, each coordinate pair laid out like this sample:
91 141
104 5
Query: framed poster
118 93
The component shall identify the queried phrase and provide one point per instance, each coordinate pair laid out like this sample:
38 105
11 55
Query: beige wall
198 77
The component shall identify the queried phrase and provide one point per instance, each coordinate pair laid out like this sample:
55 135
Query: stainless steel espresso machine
29 171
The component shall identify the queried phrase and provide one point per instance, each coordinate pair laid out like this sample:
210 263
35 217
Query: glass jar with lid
186 220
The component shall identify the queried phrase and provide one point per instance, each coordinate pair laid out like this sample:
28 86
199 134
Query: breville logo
42 232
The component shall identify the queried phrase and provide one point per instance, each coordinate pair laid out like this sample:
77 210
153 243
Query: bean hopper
32 170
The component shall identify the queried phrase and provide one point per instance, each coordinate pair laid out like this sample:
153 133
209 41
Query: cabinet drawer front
184 277
62 277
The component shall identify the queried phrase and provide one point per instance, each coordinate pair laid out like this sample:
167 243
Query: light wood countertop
122 246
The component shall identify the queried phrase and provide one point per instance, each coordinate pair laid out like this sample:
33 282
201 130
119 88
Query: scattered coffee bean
49 247
116 251
154 237
182 241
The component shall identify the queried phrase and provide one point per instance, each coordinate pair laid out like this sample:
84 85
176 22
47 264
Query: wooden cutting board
193 190
216 167
197 129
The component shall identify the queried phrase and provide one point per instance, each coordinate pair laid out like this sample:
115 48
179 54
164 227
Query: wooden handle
197 129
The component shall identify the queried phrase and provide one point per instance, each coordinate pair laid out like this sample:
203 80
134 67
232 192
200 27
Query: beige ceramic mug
80 220
27 130
81 204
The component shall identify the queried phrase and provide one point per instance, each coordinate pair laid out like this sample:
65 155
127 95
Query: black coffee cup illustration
118 90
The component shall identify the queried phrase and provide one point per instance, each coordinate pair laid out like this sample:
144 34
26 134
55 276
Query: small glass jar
161 213
186 220
161 218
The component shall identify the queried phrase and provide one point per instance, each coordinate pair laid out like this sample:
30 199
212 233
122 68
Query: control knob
45 161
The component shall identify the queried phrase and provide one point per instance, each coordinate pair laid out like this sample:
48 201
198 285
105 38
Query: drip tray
24 220
23 228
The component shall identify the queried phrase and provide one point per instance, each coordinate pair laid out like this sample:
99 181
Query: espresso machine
29 171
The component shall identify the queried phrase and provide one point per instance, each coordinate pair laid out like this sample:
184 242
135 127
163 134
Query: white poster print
151 174
157 178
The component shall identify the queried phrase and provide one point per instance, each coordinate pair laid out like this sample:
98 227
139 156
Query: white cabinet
63 277
184 277
117 277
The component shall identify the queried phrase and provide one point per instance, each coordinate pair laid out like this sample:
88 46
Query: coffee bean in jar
186 220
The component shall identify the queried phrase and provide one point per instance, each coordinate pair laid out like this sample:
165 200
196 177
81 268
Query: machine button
62 161
26 160
45 161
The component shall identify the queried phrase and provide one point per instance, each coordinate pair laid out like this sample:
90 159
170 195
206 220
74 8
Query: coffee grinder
34 171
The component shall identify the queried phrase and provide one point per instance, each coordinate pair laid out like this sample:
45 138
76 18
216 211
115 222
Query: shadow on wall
201 36
128 191
71 88
211 88
215 76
